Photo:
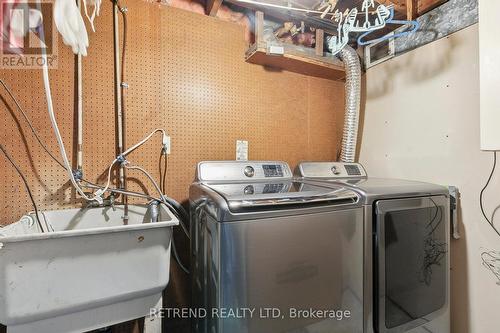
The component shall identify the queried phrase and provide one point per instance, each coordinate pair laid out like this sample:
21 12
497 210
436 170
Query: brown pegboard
187 74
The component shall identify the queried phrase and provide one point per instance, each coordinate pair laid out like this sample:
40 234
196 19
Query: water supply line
352 103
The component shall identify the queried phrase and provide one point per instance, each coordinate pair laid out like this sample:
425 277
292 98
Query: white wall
421 122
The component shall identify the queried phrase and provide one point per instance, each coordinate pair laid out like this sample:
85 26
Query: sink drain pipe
352 103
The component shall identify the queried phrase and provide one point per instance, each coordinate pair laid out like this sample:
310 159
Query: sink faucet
107 202
154 209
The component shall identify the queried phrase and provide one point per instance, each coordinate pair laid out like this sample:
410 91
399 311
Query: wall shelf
297 59
294 58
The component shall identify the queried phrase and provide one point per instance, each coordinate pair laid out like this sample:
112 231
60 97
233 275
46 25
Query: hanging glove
69 23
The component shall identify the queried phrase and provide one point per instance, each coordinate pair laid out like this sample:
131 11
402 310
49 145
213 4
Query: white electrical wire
60 142
130 150
143 141
50 107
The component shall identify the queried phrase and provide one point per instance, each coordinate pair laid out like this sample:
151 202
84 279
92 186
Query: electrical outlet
241 150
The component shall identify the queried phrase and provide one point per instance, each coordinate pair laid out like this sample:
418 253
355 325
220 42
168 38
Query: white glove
69 23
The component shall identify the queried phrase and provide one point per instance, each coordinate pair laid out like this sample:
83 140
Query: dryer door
411 268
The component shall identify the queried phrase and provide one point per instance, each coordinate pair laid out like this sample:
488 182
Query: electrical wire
177 257
44 146
30 124
481 195
52 156
435 248
174 206
98 195
66 165
53 120
167 201
491 260
30 194
164 178
160 168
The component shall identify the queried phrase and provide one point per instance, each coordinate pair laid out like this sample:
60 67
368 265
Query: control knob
335 170
249 171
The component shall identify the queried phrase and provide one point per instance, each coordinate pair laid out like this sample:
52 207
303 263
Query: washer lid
244 196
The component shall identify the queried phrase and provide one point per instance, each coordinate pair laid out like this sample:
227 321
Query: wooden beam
212 7
320 37
411 9
426 5
259 27
399 5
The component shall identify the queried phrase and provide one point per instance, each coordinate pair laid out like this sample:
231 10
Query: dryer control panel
331 170
243 171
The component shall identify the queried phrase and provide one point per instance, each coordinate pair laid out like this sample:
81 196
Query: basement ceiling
421 6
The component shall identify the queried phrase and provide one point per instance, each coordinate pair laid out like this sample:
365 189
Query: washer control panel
242 170
331 170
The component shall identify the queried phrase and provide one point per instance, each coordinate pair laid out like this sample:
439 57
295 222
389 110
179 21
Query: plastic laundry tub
89 270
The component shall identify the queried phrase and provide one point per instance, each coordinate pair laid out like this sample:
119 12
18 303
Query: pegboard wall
187 74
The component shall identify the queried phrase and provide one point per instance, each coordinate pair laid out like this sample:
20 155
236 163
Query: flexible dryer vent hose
352 103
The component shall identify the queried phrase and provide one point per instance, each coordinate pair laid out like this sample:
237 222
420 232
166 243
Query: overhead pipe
352 103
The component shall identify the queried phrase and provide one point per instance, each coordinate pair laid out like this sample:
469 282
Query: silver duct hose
352 103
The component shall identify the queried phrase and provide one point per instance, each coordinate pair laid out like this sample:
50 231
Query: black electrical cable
164 179
177 258
44 146
176 208
30 124
160 169
481 195
30 194
491 259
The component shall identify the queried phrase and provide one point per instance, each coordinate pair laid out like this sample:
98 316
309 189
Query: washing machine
270 254
407 256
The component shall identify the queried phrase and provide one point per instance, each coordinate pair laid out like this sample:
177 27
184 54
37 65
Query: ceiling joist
212 7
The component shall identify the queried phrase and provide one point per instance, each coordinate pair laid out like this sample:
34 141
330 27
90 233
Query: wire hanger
415 25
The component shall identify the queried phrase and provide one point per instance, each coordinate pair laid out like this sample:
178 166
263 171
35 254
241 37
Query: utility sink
87 270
